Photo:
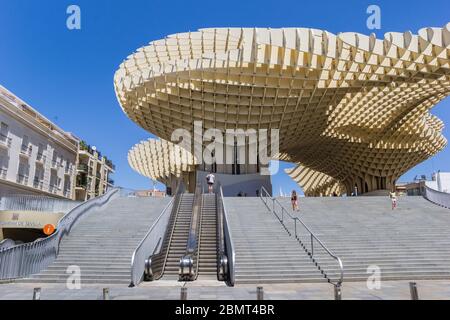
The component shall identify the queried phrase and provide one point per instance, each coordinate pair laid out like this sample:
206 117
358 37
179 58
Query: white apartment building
36 156
94 173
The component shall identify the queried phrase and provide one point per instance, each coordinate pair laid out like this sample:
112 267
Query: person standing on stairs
393 197
294 201
210 179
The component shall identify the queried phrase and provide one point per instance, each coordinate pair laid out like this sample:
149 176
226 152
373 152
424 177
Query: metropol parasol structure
352 110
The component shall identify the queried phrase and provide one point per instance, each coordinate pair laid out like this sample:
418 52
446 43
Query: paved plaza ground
204 290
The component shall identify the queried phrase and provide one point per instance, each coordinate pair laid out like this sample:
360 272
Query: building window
41 155
4 161
38 181
4 131
24 170
55 159
25 143
55 182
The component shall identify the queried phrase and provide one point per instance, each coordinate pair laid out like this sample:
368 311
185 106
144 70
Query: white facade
36 157
442 181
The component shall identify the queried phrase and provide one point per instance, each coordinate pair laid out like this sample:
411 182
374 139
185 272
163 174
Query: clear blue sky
68 75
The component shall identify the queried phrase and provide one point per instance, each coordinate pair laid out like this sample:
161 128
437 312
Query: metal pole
413 291
295 227
337 293
259 293
183 293
105 293
312 246
37 294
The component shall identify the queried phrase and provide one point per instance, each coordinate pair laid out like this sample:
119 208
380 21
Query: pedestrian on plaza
210 179
294 201
393 197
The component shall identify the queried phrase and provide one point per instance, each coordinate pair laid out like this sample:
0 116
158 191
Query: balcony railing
38 183
67 193
53 189
26 150
82 167
81 184
55 164
41 157
3 173
68 170
22 179
5 141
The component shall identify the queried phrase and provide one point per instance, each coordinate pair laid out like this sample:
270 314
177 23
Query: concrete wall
443 181
11 222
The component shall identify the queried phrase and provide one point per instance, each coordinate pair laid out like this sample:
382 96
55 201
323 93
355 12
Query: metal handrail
437 197
31 258
173 216
148 246
264 196
6 244
228 252
198 206
189 261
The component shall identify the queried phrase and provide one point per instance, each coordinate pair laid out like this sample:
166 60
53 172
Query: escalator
193 245
177 239
207 257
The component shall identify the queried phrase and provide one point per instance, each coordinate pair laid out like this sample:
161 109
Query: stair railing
30 258
437 197
284 217
225 247
149 246
149 259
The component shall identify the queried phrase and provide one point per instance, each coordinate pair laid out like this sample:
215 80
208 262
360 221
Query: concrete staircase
178 241
207 268
410 243
102 243
265 253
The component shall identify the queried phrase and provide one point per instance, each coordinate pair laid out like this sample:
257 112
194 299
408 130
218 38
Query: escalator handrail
147 244
152 242
226 241
174 212
193 243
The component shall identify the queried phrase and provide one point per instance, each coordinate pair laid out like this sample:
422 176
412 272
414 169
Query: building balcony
81 185
26 150
22 179
55 165
83 168
41 158
54 189
68 171
38 184
3 173
5 142
67 193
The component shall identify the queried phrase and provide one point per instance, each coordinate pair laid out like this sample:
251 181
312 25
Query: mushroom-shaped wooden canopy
160 160
350 106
